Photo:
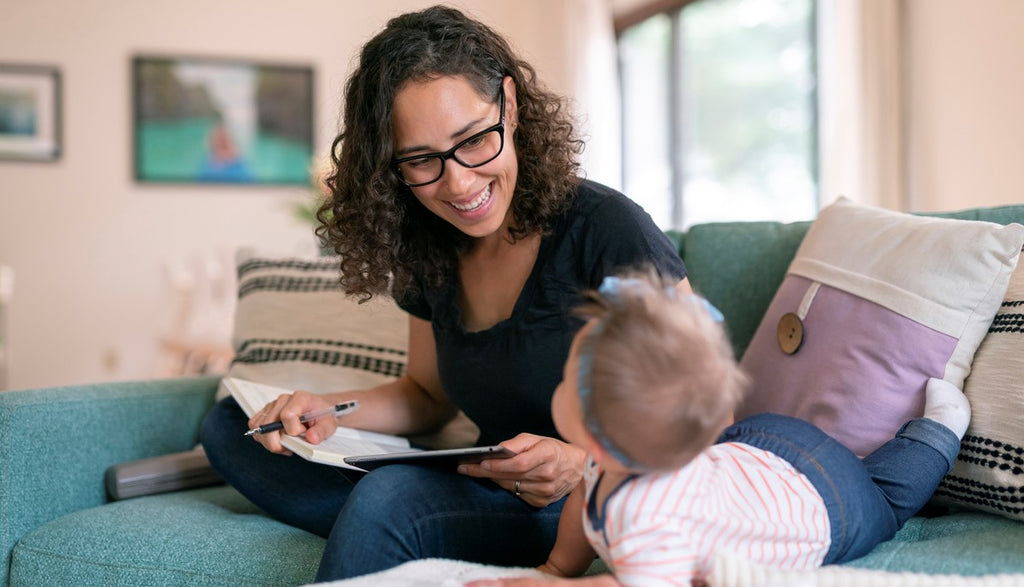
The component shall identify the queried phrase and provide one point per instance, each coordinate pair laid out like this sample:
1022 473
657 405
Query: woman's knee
378 525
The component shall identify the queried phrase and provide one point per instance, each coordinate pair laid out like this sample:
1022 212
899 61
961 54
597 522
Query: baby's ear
601 456
683 288
593 447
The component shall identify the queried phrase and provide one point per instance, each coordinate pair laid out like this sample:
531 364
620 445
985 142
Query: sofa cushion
940 551
989 472
873 305
51 464
202 537
969 543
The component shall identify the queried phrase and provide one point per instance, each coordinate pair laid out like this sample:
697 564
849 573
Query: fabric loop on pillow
903 301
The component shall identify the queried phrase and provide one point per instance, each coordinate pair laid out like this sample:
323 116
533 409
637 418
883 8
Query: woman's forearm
397 407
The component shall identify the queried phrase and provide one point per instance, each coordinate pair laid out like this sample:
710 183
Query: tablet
451 457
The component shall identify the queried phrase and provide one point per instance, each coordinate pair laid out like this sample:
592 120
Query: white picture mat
43 86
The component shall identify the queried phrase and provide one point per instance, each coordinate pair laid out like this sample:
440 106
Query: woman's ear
511 102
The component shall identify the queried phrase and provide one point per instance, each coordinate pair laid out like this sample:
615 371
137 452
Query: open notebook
355 449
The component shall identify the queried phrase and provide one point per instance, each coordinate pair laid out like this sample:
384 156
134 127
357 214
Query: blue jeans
378 520
869 500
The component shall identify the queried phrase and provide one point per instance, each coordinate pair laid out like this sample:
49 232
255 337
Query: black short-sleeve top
503 377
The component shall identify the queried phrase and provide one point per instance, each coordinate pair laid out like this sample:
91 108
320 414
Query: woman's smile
475 204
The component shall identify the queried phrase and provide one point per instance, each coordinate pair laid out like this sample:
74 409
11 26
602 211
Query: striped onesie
664 528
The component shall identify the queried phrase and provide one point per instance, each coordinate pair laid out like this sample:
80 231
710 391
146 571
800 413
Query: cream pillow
989 472
295 328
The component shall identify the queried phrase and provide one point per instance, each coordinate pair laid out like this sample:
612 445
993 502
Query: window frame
676 98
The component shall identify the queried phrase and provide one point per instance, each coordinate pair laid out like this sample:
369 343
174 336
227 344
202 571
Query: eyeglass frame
450 153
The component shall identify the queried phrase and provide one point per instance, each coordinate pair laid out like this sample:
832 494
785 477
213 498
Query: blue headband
611 288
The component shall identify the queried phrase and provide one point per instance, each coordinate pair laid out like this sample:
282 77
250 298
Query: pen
337 410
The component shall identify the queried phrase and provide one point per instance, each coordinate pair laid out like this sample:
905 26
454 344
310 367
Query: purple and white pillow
874 304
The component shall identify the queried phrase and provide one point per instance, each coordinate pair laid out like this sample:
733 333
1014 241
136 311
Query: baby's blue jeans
867 500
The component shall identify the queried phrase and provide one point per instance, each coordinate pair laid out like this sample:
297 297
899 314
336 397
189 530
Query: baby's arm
572 554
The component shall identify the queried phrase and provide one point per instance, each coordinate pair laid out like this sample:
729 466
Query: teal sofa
58 527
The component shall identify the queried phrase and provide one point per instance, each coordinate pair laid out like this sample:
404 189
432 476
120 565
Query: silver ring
516 489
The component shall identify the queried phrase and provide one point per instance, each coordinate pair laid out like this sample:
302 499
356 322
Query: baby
649 390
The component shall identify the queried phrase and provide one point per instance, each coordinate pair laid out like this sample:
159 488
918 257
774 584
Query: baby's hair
663 378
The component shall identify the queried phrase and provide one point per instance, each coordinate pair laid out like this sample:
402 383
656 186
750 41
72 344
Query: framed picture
29 112
203 120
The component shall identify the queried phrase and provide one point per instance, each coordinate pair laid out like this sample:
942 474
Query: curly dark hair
387 240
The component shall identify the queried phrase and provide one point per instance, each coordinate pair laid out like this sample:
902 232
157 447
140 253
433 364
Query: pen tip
250 433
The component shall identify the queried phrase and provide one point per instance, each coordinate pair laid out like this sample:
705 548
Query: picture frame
30 112
205 120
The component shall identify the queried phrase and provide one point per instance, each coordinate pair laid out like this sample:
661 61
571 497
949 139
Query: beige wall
964 113
86 242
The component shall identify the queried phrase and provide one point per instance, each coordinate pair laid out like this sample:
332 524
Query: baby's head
654 372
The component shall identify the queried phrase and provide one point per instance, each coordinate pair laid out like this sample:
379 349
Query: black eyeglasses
479 149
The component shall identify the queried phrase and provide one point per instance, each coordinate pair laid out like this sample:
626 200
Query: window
719 116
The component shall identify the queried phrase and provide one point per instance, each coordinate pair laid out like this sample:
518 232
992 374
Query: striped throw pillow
295 328
989 472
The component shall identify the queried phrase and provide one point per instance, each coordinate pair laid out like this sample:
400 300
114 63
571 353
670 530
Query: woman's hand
287 408
544 470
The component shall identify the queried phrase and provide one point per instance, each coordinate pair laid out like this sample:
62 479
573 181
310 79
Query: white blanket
728 571
433 572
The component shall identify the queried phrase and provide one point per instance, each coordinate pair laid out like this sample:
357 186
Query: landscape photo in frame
205 120
30 112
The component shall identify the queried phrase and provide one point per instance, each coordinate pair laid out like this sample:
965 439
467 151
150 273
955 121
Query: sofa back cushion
738 266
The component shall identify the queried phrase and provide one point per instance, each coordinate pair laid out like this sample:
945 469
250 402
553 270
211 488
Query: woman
455 189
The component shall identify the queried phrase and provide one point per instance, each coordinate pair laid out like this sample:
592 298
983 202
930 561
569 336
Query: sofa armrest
56 443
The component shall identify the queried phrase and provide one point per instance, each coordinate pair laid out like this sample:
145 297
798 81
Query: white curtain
862 126
593 69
